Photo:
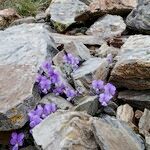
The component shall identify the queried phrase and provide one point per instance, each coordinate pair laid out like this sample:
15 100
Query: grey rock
94 68
65 130
23 20
90 105
105 50
23 49
59 101
147 142
63 13
137 99
125 113
139 18
133 67
107 27
85 39
144 123
109 111
111 134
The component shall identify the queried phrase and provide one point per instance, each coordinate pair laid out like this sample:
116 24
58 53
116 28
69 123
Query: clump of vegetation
25 7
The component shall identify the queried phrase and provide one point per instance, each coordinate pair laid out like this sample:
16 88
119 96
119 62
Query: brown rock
138 99
98 8
7 16
125 113
144 123
133 67
138 114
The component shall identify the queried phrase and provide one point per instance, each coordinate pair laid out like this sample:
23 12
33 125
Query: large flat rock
65 130
111 134
132 69
139 18
22 49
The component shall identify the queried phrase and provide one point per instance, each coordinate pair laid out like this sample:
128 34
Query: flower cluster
105 92
49 82
72 61
38 114
16 140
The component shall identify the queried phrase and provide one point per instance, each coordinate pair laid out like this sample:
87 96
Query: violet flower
71 60
110 89
98 85
45 85
47 65
59 89
16 140
48 109
104 99
54 76
70 93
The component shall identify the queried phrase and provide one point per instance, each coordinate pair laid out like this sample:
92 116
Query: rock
125 113
85 39
94 68
109 111
139 18
138 114
108 26
63 12
78 49
111 134
65 130
23 49
90 105
147 142
138 99
59 101
105 50
144 123
7 16
42 17
23 20
98 8
133 67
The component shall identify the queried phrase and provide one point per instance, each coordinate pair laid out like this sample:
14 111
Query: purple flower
110 89
40 78
70 93
98 85
35 121
37 112
109 58
16 140
47 65
35 115
104 99
45 85
48 109
59 89
71 60
54 76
